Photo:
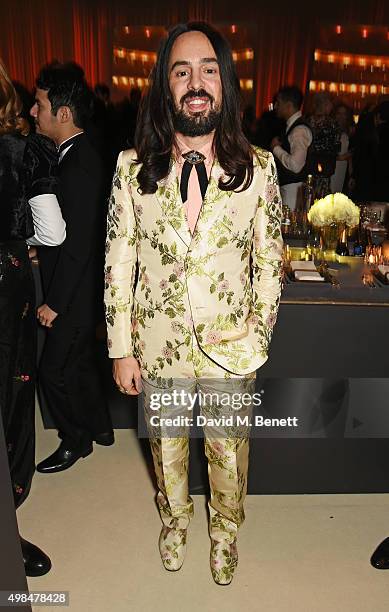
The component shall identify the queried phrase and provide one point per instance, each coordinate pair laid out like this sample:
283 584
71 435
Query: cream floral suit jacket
223 283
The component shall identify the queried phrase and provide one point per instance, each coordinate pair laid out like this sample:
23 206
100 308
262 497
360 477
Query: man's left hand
46 316
276 142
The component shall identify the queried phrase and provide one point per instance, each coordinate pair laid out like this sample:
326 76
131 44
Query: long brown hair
10 106
154 136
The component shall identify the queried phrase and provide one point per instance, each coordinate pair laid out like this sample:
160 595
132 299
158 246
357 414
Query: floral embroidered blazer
222 283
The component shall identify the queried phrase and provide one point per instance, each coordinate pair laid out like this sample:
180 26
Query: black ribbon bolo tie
196 159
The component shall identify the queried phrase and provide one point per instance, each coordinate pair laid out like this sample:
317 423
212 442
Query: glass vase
330 236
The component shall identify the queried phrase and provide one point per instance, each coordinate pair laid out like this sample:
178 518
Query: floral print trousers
226 444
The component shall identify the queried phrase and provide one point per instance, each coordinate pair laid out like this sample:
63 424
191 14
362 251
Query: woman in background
29 211
325 145
344 118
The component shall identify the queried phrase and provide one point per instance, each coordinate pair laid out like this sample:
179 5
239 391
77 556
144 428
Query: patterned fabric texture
172 547
223 560
197 311
222 283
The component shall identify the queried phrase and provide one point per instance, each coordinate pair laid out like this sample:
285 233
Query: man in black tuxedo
71 273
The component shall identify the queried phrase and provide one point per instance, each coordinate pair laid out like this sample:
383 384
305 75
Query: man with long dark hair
193 270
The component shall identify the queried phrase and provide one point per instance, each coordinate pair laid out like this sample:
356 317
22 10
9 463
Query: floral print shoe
172 546
224 559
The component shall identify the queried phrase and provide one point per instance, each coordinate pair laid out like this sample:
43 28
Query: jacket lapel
69 155
169 197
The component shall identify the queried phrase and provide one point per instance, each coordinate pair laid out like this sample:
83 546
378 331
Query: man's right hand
127 376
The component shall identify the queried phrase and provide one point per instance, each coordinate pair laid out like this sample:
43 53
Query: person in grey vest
291 152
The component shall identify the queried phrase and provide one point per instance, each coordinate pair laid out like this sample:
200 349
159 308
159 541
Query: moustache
196 93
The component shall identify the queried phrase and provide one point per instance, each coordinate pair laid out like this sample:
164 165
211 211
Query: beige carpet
99 524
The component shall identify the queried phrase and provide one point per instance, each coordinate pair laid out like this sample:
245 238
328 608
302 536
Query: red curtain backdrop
92 41
283 55
33 32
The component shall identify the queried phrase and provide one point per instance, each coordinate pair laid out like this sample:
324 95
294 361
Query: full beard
197 124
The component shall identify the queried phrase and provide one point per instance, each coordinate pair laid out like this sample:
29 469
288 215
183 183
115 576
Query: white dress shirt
49 226
299 139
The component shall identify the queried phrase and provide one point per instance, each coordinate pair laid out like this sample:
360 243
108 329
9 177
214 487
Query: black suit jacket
72 273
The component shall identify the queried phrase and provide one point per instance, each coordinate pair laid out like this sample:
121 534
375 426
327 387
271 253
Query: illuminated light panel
362 88
246 54
133 55
246 84
125 80
334 57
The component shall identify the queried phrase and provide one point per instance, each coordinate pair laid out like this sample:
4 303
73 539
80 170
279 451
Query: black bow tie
67 143
196 159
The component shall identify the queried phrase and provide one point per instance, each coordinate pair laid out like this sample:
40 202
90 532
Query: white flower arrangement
334 208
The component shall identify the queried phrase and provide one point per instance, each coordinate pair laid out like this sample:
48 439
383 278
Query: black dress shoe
62 459
105 439
380 557
36 562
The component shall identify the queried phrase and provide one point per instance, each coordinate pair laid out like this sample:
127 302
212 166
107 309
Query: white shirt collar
66 149
293 118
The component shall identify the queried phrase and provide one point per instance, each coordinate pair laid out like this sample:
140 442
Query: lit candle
385 249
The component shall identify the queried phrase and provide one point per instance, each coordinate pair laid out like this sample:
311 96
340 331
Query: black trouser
71 384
